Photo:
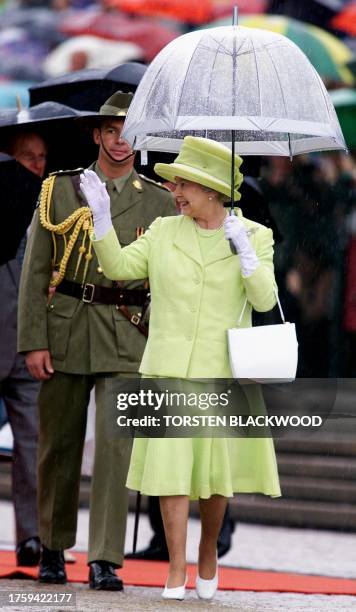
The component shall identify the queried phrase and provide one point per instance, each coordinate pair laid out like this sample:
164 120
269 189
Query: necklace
208 231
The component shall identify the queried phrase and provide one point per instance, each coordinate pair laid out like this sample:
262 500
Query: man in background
18 389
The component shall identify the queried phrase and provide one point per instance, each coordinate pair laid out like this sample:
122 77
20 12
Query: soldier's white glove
236 232
99 201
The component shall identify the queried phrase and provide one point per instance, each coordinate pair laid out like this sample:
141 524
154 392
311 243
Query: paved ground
140 599
254 546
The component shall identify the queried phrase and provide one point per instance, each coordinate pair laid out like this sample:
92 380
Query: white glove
236 232
99 201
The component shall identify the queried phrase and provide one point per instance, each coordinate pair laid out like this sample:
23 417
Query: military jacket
85 338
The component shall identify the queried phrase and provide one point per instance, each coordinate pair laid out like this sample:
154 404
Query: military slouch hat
117 105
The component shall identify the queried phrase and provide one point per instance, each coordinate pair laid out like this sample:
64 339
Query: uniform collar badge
137 184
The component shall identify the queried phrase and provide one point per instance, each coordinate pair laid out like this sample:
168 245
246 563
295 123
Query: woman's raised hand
95 193
99 201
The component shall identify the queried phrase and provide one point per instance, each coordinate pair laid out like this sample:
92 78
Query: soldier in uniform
90 329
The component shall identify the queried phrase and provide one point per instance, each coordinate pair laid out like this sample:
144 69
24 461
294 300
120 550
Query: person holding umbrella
189 321
91 328
18 388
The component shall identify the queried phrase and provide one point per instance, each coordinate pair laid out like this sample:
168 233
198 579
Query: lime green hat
206 162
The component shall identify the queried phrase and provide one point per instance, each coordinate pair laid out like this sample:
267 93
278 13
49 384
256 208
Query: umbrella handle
232 246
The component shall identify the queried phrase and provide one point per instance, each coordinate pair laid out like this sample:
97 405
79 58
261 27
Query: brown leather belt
95 294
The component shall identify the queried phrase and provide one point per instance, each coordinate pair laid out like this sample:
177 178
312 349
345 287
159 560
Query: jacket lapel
222 250
186 240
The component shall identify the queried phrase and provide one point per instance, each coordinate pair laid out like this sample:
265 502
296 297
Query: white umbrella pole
232 202
232 211
234 23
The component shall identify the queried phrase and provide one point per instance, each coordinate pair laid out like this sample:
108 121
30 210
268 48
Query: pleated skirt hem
202 492
202 467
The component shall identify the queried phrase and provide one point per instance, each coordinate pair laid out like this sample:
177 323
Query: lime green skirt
201 467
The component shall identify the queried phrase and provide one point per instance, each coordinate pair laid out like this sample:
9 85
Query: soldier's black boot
52 569
28 552
102 577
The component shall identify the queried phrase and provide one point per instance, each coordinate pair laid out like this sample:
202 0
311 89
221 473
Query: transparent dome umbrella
251 89
255 82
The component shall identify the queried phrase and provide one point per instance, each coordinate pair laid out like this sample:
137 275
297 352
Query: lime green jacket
193 302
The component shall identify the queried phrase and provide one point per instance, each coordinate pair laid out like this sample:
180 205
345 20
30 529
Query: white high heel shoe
206 589
175 592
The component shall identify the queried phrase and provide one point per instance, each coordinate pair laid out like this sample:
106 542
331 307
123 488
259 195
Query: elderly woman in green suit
198 288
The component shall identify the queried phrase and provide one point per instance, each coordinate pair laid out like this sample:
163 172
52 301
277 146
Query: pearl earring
210 197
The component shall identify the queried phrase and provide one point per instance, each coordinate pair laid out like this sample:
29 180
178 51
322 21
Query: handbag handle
279 306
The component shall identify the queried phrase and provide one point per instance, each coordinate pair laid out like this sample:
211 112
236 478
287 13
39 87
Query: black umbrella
88 89
19 193
70 146
318 12
40 115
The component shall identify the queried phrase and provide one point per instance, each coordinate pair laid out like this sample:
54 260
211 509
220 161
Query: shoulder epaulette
156 183
66 172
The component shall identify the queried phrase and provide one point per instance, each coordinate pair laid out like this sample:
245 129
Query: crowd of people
315 195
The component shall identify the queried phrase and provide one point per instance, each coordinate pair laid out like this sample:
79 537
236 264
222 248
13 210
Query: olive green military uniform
86 342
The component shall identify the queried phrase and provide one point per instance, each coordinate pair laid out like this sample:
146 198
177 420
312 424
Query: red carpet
153 573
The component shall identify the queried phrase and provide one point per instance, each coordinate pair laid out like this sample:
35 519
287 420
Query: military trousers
63 403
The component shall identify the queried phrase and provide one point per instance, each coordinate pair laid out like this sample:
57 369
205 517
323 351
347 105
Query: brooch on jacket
252 231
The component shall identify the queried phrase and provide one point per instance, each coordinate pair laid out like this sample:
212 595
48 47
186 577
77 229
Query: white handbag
263 354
